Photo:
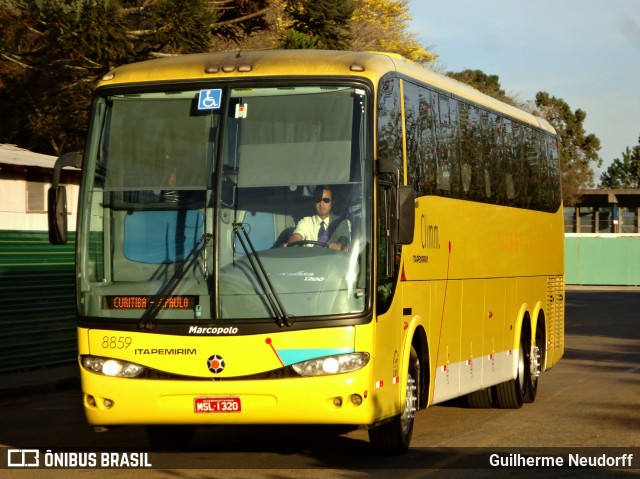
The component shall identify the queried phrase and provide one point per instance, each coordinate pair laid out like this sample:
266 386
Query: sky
586 52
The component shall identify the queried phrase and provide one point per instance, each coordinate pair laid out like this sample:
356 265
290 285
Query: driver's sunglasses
324 200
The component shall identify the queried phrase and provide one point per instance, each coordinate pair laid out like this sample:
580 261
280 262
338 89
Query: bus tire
170 437
394 436
482 399
536 360
510 394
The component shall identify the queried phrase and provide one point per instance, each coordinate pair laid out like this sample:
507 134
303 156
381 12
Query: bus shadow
305 447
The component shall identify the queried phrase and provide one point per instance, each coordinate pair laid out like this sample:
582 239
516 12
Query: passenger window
157 237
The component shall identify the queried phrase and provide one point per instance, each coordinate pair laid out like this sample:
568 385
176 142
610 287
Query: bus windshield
197 194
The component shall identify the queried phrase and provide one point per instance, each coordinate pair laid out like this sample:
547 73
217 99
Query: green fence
602 259
37 301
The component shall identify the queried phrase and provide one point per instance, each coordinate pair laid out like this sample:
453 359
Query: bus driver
323 227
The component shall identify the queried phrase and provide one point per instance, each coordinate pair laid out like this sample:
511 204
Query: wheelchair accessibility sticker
209 99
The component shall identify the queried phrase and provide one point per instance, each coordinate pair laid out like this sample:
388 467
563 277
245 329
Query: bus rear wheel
394 436
535 364
510 395
482 399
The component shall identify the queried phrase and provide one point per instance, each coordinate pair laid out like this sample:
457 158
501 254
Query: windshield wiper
282 318
148 319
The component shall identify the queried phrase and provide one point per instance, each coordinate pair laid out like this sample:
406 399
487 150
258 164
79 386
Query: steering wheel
306 242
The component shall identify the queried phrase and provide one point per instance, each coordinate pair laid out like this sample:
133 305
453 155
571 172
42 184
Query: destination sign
143 302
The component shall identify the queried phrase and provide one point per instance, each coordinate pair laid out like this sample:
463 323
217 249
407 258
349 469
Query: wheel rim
521 369
411 404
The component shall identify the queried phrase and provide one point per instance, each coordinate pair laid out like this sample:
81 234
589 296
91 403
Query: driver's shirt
309 226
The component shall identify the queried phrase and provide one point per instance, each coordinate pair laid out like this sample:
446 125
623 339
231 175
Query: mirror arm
388 167
68 159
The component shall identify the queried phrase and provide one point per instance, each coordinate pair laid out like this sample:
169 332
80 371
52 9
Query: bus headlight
338 364
112 367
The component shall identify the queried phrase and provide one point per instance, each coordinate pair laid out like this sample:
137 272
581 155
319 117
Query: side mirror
57 214
57 199
403 215
402 209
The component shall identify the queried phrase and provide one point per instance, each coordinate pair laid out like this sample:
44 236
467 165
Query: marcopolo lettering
213 330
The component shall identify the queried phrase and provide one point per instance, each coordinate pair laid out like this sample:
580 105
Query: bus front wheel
394 436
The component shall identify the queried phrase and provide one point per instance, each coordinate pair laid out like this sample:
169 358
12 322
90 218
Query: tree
376 25
382 25
50 55
319 24
623 173
53 51
487 84
578 151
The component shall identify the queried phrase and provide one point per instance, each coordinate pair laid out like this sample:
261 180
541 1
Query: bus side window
421 118
390 122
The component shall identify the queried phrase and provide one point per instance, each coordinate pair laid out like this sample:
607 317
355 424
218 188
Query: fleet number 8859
116 342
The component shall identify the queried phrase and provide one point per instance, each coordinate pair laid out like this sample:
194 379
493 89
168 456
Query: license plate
217 404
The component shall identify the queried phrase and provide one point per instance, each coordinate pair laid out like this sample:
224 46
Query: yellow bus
202 298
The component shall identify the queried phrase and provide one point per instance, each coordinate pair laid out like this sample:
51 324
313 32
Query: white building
24 180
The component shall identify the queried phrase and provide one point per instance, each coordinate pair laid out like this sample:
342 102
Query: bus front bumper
337 399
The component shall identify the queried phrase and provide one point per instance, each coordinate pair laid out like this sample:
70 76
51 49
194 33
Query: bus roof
300 63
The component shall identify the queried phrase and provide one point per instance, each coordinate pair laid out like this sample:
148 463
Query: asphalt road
588 406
